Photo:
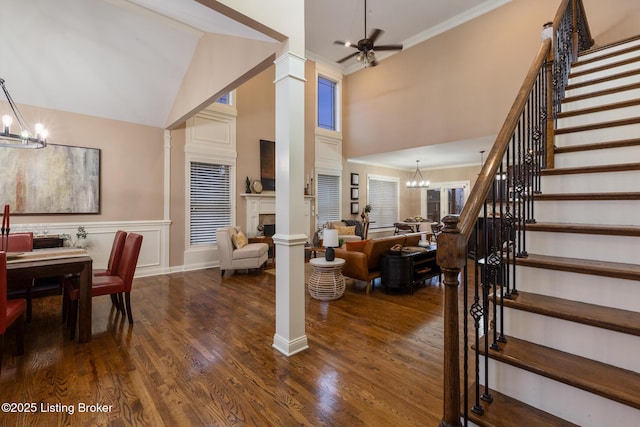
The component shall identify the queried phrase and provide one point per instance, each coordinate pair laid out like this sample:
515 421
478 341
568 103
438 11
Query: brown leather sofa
364 264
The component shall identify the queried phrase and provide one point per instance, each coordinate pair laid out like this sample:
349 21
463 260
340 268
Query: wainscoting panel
154 255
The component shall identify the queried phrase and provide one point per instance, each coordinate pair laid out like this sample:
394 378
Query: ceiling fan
366 47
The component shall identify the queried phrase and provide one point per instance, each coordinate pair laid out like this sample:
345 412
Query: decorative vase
362 215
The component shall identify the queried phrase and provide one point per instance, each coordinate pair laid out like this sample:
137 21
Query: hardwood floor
200 353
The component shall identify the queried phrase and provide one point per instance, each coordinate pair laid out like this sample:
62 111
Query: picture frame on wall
59 179
355 179
355 208
355 194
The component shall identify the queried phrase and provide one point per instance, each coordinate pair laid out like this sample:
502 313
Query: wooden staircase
572 355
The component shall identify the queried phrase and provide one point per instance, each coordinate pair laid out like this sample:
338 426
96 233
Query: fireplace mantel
265 204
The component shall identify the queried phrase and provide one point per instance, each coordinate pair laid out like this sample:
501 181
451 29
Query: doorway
442 199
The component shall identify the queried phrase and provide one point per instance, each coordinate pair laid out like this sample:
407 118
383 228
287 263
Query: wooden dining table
53 262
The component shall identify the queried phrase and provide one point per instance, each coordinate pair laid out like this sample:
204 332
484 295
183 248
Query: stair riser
605 212
599 117
597 135
624 68
602 290
599 101
569 403
603 62
616 48
606 182
586 341
597 157
585 246
596 87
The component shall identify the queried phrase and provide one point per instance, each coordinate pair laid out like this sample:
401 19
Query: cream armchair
236 254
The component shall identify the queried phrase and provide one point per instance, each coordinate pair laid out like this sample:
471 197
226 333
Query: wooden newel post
451 256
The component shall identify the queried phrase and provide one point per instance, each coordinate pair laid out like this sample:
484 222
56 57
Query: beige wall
131 157
455 86
612 21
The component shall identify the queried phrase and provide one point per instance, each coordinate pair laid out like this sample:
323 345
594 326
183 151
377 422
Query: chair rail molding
154 255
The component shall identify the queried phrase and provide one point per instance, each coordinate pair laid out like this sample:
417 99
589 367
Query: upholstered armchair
236 254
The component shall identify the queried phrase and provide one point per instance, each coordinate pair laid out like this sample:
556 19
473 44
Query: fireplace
269 229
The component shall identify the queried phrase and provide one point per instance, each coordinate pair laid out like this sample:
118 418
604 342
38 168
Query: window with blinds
210 201
328 199
383 198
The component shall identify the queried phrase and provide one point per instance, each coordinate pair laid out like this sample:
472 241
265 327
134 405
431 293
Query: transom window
326 103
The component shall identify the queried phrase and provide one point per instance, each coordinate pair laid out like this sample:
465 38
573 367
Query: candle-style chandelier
417 181
24 139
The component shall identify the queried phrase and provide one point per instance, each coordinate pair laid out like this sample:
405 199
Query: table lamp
330 241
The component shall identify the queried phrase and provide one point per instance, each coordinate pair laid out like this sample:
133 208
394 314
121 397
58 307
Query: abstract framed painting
57 179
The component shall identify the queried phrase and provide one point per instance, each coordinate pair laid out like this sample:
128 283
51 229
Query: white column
290 237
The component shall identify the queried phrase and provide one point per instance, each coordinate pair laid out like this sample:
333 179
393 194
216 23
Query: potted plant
365 213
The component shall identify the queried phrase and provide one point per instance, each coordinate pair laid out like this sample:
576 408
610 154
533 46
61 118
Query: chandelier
417 181
24 139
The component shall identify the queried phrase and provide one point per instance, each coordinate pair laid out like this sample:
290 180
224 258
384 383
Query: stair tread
589 196
608 55
583 266
613 319
505 411
620 385
620 167
603 92
600 108
598 125
598 146
599 80
604 67
562 227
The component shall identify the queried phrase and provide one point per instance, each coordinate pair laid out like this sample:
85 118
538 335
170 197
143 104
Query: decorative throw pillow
356 245
347 231
239 240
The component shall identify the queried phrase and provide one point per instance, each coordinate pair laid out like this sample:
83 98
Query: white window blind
383 198
328 199
210 198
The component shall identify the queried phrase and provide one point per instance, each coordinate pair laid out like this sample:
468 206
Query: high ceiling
125 59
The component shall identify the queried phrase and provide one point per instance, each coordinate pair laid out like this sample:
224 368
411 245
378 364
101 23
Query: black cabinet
406 269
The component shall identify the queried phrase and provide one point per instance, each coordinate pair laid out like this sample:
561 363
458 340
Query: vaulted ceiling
125 59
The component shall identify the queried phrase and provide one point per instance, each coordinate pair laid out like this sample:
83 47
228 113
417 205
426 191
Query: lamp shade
330 238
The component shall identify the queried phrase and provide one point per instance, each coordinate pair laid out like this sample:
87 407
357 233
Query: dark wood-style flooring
200 353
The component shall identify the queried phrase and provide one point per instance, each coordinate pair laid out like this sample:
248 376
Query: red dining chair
117 284
112 266
21 242
11 311
114 256
114 262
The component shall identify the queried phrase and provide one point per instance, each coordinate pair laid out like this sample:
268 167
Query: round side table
326 282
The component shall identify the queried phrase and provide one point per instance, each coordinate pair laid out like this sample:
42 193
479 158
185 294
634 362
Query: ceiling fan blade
346 44
340 61
375 33
388 47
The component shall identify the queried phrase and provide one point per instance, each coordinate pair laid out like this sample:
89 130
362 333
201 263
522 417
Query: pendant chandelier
24 139
417 181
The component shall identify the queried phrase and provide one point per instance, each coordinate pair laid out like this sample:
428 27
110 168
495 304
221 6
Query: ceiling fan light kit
366 47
